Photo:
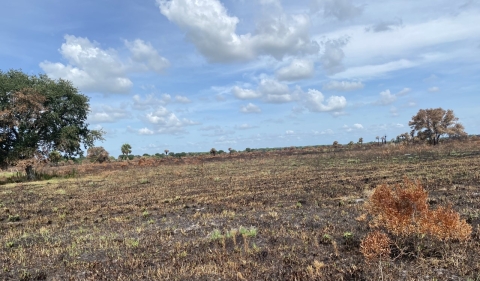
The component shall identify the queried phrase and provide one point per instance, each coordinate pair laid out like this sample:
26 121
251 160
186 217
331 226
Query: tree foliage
126 149
39 115
97 154
431 124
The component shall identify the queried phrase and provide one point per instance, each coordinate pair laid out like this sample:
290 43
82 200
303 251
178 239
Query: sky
189 75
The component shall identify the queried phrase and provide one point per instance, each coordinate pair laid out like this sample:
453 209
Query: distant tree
39 115
213 151
166 151
335 144
146 155
360 141
220 152
97 154
158 155
54 157
350 144
171 154
378 139
431 124
126 150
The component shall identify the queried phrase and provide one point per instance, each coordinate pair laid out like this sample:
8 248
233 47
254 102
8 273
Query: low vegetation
358 212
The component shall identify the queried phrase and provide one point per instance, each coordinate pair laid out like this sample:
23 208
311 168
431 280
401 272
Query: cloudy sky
189 75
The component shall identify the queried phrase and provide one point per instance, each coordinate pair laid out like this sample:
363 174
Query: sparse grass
298 215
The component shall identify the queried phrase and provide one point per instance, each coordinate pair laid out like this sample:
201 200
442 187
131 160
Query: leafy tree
431 124
97 154
166 151
171 154
39 115
360 141
248 149
335 144
126 149
378 139
213 151
54 157
146 155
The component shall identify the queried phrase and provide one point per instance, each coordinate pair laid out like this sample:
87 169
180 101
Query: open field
292 216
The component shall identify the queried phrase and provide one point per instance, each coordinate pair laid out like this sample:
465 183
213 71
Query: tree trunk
30 172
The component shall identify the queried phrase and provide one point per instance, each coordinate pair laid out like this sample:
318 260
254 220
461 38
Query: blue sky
189 75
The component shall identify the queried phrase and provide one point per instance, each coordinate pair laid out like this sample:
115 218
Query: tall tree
431 124
126 149
39 115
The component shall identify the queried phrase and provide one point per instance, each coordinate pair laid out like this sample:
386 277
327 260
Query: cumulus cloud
343 86
145 131
182 99
289 132
433 89
333 55
250 108
106 114
404 92
297 70
386 98
315 102
339 9
358 126
276 92
150 101
146 56
385 25
244 94
245 126
166 122
213 32
93 69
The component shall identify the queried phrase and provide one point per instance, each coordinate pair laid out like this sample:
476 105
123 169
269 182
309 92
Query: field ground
275 217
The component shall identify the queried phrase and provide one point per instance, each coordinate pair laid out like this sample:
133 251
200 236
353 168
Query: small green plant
326 238
10 244
298 205
13 218
216 235
348 235
252 232
133 243
144 181
145 214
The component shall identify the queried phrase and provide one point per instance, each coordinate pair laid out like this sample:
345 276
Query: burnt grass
264 216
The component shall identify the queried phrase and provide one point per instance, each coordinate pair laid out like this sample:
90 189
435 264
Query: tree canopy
39 115
431 124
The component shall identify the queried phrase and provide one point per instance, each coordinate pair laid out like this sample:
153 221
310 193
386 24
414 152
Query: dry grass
295 215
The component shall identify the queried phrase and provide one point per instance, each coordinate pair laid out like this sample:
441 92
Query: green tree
126 150
213 151
360 141
431 124
54 157
39 115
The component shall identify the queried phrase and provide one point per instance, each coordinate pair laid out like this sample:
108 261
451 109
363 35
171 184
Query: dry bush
403 211
375 246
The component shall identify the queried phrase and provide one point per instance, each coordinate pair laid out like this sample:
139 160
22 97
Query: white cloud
297 70
431 78
166 122
386 98
386 25
276 92
289 132
250 108
145 131
93 69
244 94
343 85
433 89
333 55
393 111
314 101
245 126
340 9
146 56
213 32
358 126
373 71
150 101
404 92
182 99
106 114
